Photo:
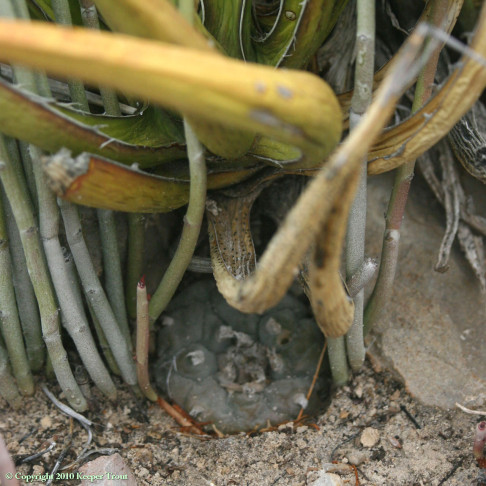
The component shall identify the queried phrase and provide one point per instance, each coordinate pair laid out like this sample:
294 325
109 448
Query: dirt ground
410 444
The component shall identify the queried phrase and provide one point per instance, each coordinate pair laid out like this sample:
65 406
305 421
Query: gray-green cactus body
238 371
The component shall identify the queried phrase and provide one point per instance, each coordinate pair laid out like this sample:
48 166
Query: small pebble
372 412
111 471
393 407
370 437
395 442
357 457
327 479
46 422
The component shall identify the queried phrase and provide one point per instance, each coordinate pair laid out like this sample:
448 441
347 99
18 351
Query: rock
429 332
46 422
327 479
370 437
106 471
357 457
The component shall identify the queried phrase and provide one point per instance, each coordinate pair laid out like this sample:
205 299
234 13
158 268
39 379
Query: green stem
25 296
24 173
106 219
112 270
337 359
190 232
136 247
95 293
399 196
186 8
89 16
355 238
104 344
8 388
9 317
24 291
74 283
73 317
74 320
76 87
40 281
195 209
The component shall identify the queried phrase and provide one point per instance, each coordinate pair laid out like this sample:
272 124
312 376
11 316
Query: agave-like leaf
275 153
102 183
230 24
160 20
291 106
154 19
299 30
149 138
40 10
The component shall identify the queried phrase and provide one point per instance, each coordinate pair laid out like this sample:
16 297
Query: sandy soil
410 444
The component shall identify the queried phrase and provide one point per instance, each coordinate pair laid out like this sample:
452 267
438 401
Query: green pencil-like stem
40 280
8 388
74 283
186 8
112 270
195 209
89 15
111 257
143 330
136 247
401 187
95 293
73 317
24 291
76 87
9 319
26 163
355 238
25 296
104 344
336 350
16 151
190 232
